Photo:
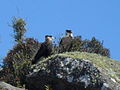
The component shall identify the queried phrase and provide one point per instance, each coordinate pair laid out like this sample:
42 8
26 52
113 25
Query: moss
109 66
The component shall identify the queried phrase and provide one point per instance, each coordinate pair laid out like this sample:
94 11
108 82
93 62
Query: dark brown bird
45 49
66 42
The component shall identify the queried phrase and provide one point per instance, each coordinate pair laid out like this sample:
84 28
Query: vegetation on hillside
17 63
18 60
90 46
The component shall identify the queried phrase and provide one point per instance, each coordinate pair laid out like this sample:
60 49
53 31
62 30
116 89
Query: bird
45 49
66 42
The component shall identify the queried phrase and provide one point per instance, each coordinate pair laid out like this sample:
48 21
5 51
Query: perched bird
66 42
45 49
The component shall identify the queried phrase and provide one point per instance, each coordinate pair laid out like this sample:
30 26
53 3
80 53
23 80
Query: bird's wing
62 41
39 53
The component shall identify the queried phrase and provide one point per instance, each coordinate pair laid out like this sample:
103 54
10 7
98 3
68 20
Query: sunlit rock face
5 86
65 73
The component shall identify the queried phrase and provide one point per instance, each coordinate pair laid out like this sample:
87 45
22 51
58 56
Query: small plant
18 25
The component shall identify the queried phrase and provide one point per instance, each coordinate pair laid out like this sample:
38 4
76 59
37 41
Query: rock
5 86
66 73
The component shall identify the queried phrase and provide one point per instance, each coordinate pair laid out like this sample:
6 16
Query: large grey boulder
66 73
5 86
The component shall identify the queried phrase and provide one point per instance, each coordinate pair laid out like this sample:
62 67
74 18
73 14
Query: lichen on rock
65 72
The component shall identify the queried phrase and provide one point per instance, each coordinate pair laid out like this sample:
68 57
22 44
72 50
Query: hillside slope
75 71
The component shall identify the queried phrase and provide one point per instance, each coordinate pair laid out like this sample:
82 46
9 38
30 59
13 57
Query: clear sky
99 18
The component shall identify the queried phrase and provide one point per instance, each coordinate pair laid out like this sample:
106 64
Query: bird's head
49 38
69 33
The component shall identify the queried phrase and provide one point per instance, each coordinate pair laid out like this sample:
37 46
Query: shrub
77 44
18 61
95 46
90 46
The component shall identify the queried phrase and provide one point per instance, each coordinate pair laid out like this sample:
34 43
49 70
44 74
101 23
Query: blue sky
99 18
